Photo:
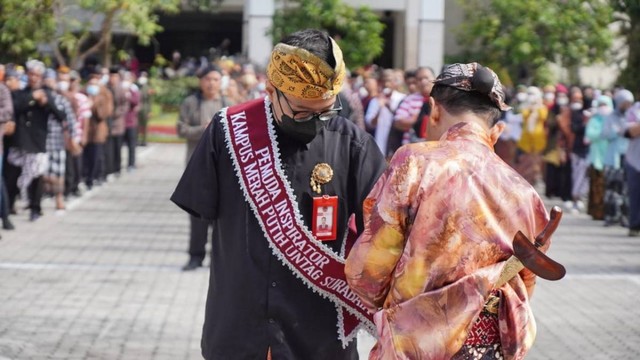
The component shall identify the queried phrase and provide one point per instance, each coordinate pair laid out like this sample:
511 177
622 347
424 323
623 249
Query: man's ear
270 89
496 130
434 116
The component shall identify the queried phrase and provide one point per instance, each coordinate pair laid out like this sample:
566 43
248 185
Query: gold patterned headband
299 73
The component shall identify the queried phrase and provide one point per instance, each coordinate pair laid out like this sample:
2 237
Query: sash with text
251 141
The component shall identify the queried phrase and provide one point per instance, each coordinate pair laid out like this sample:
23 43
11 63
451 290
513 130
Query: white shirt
385 118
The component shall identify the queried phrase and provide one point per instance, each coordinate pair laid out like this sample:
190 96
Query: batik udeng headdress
299 73
474 77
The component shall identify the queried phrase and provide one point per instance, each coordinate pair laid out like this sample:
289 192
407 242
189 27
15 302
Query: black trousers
73 173
93 163
11 174
113 154
131 139
198 238
4 204
35 192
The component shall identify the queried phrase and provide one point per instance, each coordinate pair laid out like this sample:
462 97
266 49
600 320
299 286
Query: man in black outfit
32 106
258 306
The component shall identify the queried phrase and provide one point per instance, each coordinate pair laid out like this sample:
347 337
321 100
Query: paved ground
103 281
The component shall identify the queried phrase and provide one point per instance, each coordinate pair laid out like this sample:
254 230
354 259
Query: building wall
418 32
424 31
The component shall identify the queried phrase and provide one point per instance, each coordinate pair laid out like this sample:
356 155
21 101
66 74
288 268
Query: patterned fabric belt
485 330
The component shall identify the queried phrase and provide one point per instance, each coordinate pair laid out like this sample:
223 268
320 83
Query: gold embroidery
322 173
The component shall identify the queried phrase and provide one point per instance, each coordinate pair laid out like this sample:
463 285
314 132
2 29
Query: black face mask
304 132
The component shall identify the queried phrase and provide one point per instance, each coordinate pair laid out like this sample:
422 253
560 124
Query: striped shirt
409 107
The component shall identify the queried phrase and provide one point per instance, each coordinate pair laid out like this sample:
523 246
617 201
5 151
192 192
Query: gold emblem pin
322 173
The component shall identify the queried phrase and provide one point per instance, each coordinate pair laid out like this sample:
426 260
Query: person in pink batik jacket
439 226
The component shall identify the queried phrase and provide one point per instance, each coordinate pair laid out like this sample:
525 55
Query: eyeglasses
303 116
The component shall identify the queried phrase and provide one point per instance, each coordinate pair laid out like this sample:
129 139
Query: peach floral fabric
439 225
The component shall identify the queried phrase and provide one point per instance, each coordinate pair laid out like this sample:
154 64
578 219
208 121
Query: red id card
325 217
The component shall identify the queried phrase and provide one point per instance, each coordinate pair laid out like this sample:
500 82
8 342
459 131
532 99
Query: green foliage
170 93
358 31
136 16
629 11
524 36
23 25
202 5
26 23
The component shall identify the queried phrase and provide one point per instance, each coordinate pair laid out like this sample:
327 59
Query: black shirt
31 120
578 128
254 302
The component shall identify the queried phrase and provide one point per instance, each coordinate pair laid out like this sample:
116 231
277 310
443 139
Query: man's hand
9 128
634 130
40 97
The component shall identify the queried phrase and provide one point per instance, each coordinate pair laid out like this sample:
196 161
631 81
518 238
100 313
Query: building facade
245 23
417 33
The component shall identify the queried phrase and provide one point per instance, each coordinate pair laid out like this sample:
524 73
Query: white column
411 21
431 35
257 19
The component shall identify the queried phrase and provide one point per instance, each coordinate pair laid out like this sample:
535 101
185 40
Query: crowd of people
277 141
570 142
63 134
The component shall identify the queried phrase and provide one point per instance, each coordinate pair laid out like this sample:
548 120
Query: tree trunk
104 41
573 72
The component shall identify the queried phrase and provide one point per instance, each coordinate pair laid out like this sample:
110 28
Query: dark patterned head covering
474 77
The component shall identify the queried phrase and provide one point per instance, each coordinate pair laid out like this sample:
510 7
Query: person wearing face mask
61 137
520 97
615 202
579 152
34 107
98 129
556 155
632 166
146 93
121 105
597 149
262 173
534 138
131 118
82 108
549 96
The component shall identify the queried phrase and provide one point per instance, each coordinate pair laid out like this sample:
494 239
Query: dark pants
73 173
633 187
4 204
35 191
113 154
558 181
93 158
11 175
131 139
198 238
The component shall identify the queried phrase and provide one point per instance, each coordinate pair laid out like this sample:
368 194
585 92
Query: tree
23 25
524 36
78 39
358 31
69 26
629 17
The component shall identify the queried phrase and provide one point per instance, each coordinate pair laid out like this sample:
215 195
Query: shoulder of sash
246 105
